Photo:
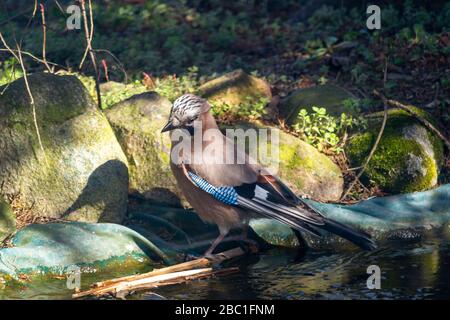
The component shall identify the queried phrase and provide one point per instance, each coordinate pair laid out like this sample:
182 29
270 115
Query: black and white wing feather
270 198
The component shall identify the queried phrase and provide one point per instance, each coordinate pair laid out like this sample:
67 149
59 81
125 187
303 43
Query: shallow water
409 270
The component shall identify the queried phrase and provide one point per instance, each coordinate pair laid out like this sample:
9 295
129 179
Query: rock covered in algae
408 158
80 172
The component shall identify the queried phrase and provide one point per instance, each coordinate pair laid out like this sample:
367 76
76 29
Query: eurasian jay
230 193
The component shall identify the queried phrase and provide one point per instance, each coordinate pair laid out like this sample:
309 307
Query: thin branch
411 111
44 40
60 7
35 58
33 15
91 32
89 47
377 141
119 63
33 106
105 68
372 151
9 19
8 48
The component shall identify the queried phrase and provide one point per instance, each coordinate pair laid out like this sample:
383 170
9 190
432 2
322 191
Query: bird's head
185 110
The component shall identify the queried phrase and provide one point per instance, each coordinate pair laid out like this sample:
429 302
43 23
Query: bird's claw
251 245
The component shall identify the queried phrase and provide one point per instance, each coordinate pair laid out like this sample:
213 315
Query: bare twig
33 106
372 151
377 141
18 56
119 63
91 32
8 48
35 58
410 110
44 39
30 20
105 68
89 48
60 7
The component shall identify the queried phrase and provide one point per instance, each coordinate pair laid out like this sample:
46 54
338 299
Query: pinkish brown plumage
254 188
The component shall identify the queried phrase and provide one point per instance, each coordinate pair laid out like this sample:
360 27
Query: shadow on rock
112 209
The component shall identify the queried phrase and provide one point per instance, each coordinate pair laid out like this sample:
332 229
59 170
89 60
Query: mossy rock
301 166
7 219
327 96
137 123
81 172
234 89
408 158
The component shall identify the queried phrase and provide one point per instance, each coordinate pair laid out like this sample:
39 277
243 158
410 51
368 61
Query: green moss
438 148
392 165
387 166
359 147
397 113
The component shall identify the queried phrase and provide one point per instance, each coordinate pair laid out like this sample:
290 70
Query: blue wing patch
227 195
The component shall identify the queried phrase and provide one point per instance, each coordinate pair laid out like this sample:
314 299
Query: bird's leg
245 229
215 243
244 237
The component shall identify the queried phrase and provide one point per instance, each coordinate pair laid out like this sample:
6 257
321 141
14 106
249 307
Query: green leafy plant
250 109
9 71
322 130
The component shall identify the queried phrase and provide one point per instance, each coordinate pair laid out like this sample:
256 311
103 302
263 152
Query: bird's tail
360 238
306 219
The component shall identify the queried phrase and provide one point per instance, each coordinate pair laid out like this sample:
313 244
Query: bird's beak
168 127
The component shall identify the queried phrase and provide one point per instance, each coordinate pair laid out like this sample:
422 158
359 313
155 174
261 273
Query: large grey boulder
81 173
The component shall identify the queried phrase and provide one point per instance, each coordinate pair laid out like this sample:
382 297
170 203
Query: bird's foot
190 257
252 246
210 256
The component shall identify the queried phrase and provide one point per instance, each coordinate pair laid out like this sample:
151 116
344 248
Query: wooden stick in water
179 273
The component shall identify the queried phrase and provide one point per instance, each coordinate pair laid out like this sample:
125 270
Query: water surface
416 269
